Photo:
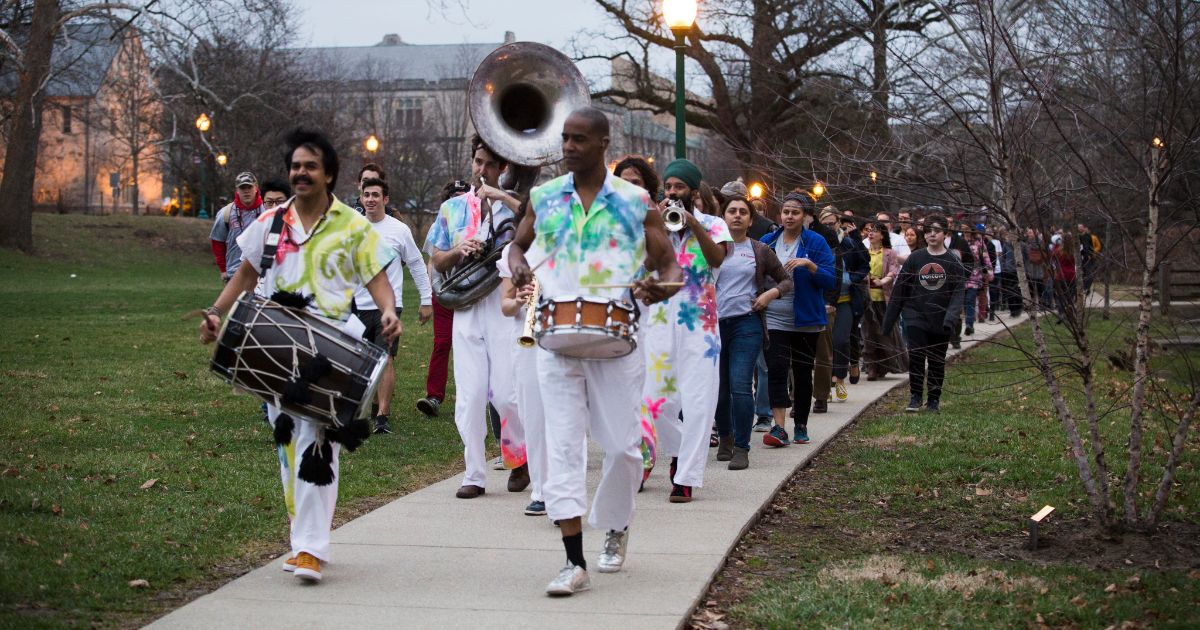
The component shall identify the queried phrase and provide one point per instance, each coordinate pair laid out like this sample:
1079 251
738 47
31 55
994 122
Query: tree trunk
1142 354
20 162
880 87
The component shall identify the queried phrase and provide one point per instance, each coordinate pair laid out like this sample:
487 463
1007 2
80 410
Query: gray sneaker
764 424
613 557
571 579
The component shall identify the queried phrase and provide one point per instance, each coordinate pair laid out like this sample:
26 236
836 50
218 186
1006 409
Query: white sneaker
571 579
498 463
612 558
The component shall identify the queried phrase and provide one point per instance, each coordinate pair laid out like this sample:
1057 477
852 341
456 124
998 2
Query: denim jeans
741 343
762 393
969 297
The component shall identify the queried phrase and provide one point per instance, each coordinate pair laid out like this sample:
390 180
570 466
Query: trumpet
526 340
673 216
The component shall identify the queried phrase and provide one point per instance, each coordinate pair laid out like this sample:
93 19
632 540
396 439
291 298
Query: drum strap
268 255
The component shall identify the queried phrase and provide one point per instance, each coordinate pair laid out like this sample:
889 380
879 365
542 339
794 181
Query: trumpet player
681 341
594 227
483 336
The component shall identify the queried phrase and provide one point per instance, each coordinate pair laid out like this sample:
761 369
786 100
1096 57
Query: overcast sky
364 22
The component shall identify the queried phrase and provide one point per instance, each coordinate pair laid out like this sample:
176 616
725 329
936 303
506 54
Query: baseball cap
245 178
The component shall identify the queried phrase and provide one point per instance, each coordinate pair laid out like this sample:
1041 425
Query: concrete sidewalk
431 560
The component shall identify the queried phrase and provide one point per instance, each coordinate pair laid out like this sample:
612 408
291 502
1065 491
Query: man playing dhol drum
324 251
596 228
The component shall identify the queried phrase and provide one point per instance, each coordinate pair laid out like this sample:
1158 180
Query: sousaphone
519 98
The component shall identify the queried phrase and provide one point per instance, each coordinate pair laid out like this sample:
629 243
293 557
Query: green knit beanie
685 171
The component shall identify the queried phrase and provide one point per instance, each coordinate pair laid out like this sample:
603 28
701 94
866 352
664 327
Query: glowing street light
372 144
756 190
874 176
222 159
680 16
818 189
1157 142
203 122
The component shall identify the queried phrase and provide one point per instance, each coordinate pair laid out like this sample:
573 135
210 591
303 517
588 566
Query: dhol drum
297 361
587 328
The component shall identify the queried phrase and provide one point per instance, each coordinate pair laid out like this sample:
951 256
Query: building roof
82 54
394 60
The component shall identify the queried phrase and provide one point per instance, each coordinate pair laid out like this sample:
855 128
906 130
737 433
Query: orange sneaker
289 565
308 568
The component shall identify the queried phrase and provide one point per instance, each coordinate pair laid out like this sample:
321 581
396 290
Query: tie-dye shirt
340 254
461 218
695 306
604 245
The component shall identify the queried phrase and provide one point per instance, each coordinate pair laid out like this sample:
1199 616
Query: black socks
574 546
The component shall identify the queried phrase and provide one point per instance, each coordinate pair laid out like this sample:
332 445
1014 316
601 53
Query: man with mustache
682 343
483 336
323 250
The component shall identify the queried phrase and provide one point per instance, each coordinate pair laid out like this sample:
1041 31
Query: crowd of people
751 316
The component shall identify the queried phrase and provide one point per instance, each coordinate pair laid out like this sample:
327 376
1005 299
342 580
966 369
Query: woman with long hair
981 273
742 295
883 353
1062 259
637 171
795 322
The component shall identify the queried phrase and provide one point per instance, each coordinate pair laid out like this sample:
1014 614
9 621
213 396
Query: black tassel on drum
352 435
296 389
291 299
284 425
316 463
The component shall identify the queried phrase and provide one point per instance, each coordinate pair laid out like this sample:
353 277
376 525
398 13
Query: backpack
1095 244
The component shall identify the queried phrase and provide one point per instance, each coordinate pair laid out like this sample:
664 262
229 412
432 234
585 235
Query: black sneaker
820 406
970 330
914 405
381 425
933 405
956 345
429 406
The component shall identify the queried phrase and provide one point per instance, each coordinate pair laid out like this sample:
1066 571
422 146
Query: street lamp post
680 16
203 123
371 145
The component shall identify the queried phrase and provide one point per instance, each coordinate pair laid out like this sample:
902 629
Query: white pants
603 396
533 418
682 372
310 507
484 345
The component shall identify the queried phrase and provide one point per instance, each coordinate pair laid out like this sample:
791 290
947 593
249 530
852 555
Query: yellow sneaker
308 568
840 389
289 565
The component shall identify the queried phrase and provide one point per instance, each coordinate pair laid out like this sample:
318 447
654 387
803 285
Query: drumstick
668 285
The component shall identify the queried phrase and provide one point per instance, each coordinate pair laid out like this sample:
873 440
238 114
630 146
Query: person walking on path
850 302
884 352
591 222
374 199
325 251
482 334
742 295
981 273
795 321
929 293
1062 259
232 220
443 332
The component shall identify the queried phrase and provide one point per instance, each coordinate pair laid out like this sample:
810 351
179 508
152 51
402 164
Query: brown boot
725 448
469 492
518 479
741 459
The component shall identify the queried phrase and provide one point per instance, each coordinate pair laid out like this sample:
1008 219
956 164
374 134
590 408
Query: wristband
213 310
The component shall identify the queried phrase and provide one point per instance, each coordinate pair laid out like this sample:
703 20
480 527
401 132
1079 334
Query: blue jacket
808 299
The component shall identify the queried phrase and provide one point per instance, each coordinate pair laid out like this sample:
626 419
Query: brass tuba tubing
526 340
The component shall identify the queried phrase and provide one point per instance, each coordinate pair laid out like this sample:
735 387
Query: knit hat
806 202
735 189
685 171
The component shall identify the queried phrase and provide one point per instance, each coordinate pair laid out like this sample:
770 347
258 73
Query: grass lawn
124 458
918 520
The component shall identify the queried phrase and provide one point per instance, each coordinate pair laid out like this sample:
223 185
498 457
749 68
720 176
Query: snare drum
587 328
270 350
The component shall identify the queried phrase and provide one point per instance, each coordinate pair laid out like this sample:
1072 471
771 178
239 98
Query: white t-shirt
399 239
999 254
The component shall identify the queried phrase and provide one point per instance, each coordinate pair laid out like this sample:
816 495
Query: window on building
66 119
409 113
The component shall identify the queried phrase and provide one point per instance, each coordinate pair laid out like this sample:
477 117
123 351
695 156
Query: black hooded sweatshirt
929 291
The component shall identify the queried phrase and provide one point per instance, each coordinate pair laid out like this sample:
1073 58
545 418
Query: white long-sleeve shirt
399 237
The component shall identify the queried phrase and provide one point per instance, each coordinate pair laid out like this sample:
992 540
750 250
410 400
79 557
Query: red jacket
1064 264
